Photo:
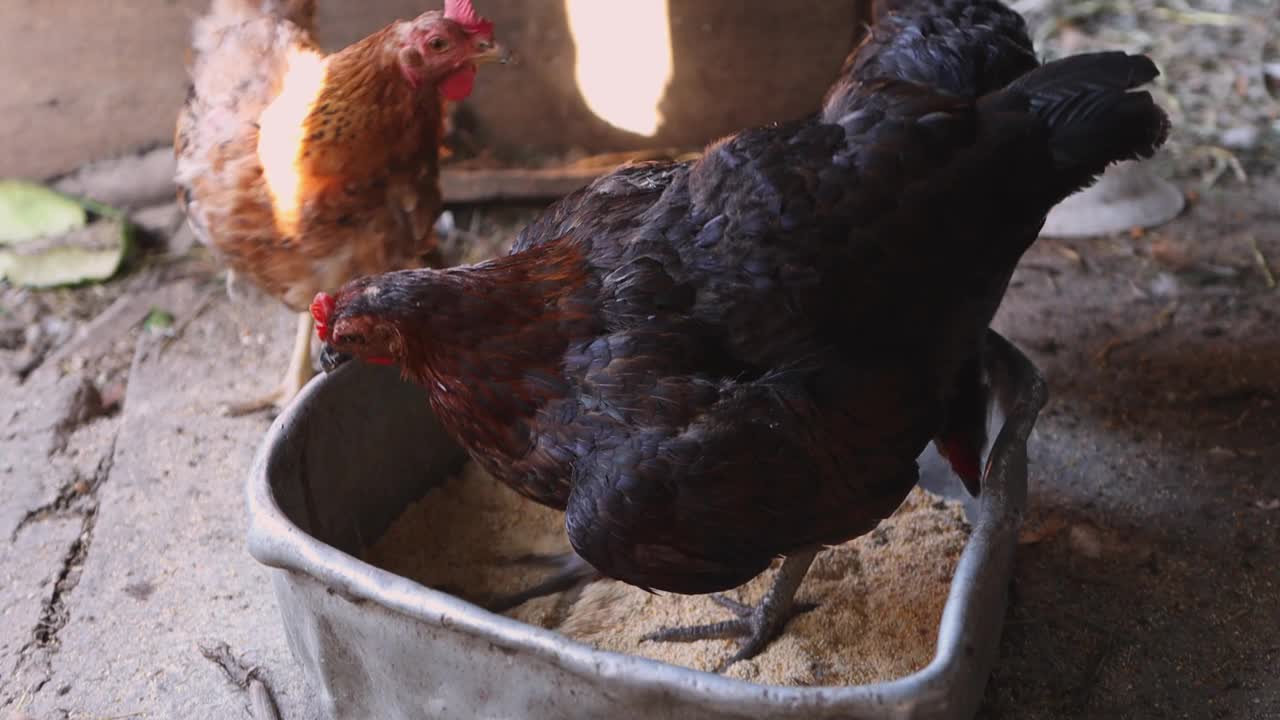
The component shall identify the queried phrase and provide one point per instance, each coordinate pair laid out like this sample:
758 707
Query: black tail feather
1094 115
962 48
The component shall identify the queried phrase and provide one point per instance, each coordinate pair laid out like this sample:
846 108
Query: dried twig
1071 254
1223 160
1198 17
262 703
1263 265
1162 321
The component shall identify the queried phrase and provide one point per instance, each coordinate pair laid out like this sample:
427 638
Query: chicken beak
487 51
331 359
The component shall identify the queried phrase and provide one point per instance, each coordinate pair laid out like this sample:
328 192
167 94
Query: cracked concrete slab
131 181
167 568
52 458
114 323
29 567
35 437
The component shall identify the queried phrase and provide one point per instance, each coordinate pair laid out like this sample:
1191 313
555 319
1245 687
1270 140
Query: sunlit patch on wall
624 59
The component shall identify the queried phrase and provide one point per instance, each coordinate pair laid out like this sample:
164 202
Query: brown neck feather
489 341
368 120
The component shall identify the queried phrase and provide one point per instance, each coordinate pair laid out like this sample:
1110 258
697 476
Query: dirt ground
1151 561
1151 564
1149 573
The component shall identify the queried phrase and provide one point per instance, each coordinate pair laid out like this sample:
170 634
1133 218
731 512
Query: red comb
461 12
321 308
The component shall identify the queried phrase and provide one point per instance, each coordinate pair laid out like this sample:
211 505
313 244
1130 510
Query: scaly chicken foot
299 372
758 625
571 571
742 609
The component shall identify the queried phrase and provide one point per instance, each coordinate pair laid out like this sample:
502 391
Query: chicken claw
299 372
571 571
758 625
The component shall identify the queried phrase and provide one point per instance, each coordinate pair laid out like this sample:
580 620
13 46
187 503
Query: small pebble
1242 137
1086 541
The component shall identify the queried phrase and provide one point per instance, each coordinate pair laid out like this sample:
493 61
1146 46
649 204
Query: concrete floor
1146 587
110 591
1149 583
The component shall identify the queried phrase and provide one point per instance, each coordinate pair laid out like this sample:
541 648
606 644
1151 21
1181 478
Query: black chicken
711 364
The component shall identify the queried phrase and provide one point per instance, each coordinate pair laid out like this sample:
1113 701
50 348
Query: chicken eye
438 44
349 339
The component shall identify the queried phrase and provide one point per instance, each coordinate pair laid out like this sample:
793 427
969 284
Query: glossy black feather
746 353
1093 117
785 323
963 48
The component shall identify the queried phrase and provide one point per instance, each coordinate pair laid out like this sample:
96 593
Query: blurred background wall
88 79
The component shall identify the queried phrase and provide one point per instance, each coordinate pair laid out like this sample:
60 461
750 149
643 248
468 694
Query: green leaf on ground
158 321
47 239
29 211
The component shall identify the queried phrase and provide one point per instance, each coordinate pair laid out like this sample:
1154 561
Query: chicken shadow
1149 550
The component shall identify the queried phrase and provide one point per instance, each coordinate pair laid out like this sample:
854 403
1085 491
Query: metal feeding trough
360 445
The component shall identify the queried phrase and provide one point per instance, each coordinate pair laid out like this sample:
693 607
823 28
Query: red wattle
963 459
458 86
321 308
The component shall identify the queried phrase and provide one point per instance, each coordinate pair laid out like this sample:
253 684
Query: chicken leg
299 372
570 571
757 626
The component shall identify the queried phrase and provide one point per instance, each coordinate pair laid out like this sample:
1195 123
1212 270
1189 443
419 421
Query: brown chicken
711 364
304 170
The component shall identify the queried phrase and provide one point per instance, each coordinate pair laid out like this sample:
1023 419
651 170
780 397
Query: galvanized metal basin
359 445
